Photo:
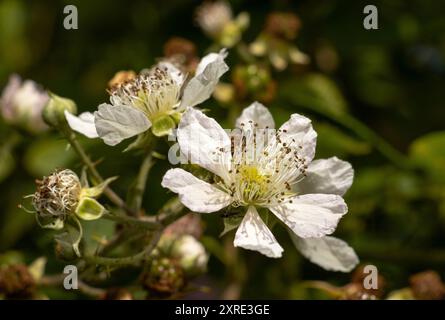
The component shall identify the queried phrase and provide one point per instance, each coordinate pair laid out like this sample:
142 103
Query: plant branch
137 190
71 137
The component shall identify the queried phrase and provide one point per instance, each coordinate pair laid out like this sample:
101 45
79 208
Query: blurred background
376 98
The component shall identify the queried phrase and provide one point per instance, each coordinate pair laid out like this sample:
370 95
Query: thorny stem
71 137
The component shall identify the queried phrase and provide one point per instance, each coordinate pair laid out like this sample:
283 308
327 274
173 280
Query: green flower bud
54 111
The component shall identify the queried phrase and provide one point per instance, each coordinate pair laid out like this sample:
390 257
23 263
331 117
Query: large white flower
153 99
270 170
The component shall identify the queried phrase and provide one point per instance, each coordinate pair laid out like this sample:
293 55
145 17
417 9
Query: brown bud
282 25
182 52
358 277
427 285
16 281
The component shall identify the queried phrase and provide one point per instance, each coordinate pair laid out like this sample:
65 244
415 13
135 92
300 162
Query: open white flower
273 172
154 99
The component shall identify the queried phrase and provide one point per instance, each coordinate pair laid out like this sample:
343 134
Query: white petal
195 194
84 123
253 234
116 123
311 215
298 132
201 86
258 114
201 140
329 253
332 176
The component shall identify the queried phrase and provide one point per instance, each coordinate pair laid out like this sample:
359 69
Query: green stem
147 225
71 137
127 261
137 190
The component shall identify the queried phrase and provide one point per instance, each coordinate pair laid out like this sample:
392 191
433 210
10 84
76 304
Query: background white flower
22 103
154 99
259 170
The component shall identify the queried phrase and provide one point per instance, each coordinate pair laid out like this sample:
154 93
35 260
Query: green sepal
96 191
231 223
89 209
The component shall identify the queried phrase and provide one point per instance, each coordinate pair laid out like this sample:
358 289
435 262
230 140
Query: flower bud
163 278
54 111
190 254
22 103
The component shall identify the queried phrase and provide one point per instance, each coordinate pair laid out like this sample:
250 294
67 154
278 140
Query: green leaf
429 153
317 92
7 162
231 223
332 141
89 209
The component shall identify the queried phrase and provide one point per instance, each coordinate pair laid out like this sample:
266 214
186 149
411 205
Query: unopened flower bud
54 111
190 254
212 17
164 278
16 281
22 103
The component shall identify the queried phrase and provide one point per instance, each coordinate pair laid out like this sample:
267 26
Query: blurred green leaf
46 155
429 153
7 162
315 91
95 233
332 141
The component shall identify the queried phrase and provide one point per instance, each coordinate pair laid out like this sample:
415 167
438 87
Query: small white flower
256 169
217 21
153 99
22 103
212 17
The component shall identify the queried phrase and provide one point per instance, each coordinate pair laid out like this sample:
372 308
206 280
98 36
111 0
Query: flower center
264 165
155 93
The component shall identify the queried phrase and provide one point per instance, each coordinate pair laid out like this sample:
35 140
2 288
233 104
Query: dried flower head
57 195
